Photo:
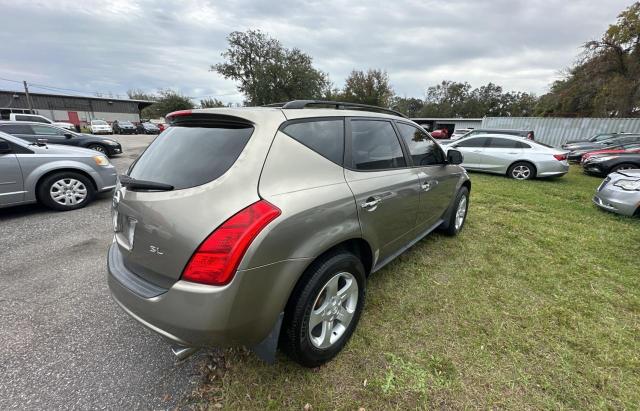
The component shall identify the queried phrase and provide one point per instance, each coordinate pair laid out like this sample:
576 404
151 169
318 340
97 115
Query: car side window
325 137
45 131
494 142
423 150
375 146
16 128
473 142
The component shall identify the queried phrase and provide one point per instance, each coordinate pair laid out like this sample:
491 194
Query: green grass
535 305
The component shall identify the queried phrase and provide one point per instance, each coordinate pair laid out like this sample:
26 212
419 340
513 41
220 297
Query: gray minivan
260 226
60 177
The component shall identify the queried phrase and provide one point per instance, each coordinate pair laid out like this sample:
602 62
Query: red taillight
178 113
560 157
216 260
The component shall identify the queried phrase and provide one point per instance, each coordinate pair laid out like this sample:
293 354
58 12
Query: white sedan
512 156
100 127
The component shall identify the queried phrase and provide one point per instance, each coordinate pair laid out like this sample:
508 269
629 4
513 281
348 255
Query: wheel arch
535 169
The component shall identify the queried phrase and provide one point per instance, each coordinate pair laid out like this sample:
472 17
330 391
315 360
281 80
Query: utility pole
26 92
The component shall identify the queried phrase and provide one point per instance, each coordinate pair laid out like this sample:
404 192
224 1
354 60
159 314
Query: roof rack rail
339 105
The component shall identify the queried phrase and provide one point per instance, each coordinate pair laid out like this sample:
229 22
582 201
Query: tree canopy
267 72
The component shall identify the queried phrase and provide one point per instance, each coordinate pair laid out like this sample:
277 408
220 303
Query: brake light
216 260
178 113
560 157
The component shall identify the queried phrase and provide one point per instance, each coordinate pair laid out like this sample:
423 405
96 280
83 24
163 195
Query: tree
211 103
138 94
165 102
371 88
269 73
411 107
606 79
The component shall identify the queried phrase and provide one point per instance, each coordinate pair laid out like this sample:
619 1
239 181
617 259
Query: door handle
371 203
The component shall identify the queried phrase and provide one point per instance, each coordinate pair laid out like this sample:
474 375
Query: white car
512 156
40 119
100 127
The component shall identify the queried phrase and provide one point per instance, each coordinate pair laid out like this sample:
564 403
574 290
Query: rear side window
186 157
473 142
375 146
16 128
423 150
325 137
36 119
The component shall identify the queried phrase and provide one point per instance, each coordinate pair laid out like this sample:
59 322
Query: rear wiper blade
134 184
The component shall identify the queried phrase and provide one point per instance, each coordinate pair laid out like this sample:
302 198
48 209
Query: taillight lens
560 157
216 260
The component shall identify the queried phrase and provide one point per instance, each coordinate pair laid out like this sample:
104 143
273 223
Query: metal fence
555 131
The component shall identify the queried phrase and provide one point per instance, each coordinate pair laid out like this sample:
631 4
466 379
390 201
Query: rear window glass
191 156
325 137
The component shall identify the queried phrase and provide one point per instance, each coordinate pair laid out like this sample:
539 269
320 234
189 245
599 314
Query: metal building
451 124
77 110
556 130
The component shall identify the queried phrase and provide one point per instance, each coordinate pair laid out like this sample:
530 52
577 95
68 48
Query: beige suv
260 226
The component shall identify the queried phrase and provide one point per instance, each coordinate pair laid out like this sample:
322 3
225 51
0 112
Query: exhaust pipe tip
182 353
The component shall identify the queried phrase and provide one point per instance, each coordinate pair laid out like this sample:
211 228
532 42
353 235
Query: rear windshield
191 156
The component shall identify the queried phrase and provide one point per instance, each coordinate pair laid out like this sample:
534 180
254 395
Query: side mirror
454 157
68 135
41 141
5 148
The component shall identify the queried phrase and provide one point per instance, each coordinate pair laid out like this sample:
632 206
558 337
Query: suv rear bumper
195 315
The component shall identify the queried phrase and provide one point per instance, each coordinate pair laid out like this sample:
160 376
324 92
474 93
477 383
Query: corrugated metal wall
555 131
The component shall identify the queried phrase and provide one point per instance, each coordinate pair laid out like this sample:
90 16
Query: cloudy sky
105 46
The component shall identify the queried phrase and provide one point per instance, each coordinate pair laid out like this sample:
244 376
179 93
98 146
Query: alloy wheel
333 310
521 172
461 212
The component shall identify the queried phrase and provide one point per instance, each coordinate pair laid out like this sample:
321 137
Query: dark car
528 134
593 139
31 132
616 140
576 152
147 128
608 163
123 127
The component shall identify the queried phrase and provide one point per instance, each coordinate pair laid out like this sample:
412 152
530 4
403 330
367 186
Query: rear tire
522 170
458 214
623 166
331 294
66 191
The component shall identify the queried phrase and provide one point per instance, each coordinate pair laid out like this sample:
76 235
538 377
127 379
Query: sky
110 46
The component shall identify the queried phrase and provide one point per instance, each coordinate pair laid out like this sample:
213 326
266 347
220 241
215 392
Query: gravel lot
65 343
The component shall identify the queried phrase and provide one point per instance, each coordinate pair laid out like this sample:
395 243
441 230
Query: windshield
125 123
98 123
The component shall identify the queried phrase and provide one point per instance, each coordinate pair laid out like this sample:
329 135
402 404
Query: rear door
500 153
437 179
11 183
386 189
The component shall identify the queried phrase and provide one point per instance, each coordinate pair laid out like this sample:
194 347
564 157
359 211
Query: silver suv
260 226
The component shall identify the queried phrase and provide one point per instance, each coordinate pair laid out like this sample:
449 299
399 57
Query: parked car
100 127
593 139
626 148
616 140
32 132
123 127
147 128
60 177
620 193
40 119
604 164
270 229
512 156
615 143
528 134
459 132
442 133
